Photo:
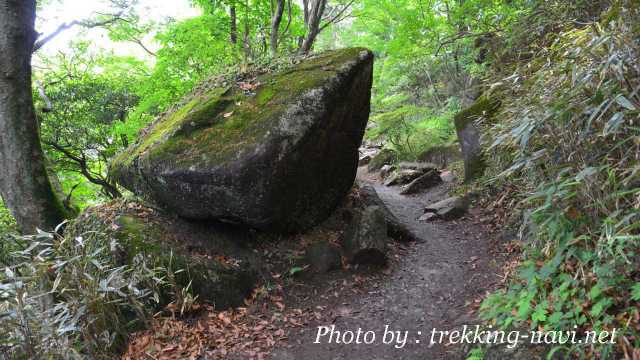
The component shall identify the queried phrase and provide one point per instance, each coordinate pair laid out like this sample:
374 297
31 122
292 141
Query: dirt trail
430 286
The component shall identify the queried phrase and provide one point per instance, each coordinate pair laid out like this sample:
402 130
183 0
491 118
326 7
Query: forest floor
437 283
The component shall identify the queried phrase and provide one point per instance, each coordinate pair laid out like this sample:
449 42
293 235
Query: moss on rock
384 157
484 106
270 133
469 135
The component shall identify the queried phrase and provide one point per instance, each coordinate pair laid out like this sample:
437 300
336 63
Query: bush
567 136
64 298
412 130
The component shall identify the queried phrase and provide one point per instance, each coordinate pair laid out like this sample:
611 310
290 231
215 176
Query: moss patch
217 124
484 106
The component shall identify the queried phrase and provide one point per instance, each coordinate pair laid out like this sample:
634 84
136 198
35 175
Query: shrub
64 298
568 136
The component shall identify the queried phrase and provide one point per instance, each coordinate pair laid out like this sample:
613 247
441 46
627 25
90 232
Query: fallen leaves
214 334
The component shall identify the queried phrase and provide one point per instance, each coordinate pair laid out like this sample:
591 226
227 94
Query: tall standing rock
278 153
469 135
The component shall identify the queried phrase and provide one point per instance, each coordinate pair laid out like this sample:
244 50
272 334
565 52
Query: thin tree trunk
234 23
276 19
24 184
246 44
313 11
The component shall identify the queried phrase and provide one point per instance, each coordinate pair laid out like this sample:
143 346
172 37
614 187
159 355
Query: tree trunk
24 184
234 23
275 26
313 11
246 43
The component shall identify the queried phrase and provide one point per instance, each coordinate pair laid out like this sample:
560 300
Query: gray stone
364 160
450 208
442 156
448 176
428 216
402 177
422 167
469 135
323 257
387 170
428 180
384 157
395 228
280 158
366 238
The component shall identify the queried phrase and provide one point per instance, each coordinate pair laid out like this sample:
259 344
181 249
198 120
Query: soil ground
435 283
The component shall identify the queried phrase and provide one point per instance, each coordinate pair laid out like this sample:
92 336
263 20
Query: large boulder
469 135
275 152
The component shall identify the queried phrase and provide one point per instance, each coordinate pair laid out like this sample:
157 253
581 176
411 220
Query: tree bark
246 43
313 11
276 19
24 184
234 23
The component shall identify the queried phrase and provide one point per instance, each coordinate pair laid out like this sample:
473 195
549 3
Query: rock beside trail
422 167
402 177
396 230
382 158
387 170
426 181
276 152
364 160
469 135
366 239
191 253
448 176
442 156
447 209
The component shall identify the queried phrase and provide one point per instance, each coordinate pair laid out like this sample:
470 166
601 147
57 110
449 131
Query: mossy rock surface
469 135
191 254
275 152
384 157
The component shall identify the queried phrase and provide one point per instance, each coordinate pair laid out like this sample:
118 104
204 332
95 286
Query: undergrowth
67 297
568 136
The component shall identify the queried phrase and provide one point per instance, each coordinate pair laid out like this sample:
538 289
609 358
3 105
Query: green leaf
614 123
624 102
635 292
295 270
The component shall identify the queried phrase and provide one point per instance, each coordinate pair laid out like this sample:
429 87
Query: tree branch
42 41
335 18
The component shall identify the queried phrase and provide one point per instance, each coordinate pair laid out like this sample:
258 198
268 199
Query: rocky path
432 286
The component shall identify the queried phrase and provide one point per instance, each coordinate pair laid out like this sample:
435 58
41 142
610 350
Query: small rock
402 177
364 160
449 209
424 182
366 238
386 170
428 216
323 257
448 176
384 157
395 228
423 167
